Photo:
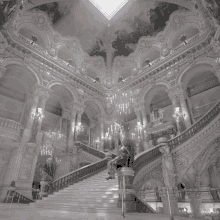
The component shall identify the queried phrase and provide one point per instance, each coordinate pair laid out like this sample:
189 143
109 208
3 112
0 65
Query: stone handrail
201 110
77 175
150 155
195 128
92 151
146 157
10 128
15 197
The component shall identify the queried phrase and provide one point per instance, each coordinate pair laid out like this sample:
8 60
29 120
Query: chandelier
79 128
39 115
138 127
58 161
54 136
121 101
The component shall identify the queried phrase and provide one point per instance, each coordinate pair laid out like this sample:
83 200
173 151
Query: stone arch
147 90
209 61
20 62
58 82
210 154
97 103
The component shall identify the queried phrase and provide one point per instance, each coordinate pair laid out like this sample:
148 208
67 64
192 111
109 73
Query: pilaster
169 193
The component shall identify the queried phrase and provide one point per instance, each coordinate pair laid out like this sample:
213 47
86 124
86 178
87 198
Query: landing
26 212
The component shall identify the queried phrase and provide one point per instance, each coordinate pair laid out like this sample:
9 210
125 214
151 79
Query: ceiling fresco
83 20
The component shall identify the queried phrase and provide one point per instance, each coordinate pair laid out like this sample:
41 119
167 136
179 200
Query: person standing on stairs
119 161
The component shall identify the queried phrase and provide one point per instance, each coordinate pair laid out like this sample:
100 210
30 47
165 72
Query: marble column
137 111
27 130
216 174
169 192
71 162
195 204
144 117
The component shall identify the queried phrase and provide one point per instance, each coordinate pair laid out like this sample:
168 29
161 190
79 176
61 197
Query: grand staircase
94 194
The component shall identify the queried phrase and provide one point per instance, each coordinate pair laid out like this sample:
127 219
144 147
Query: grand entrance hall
110 109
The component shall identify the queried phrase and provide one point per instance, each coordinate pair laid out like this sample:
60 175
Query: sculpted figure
120 161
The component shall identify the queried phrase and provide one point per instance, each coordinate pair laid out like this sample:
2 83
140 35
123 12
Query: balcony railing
10 115
77 175
195 128
201 110
10 129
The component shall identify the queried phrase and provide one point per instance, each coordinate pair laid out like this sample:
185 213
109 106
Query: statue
124 159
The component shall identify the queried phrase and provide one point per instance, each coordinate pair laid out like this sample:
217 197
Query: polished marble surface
25 212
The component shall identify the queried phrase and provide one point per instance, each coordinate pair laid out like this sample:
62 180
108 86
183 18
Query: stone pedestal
125 177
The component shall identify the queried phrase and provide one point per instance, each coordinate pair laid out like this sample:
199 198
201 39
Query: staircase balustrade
150 155
15 197
195 128
77 175
92 151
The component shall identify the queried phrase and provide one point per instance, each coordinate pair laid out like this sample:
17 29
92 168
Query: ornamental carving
196 145
155 173
28 155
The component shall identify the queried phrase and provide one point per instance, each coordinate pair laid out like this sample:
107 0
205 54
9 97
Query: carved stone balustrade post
169 193
195 203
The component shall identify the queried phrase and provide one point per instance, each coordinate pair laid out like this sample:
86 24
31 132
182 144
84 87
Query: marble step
86 200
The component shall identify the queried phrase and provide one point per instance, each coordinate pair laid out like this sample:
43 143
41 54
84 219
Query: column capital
42 91
78 108
176 90
65 113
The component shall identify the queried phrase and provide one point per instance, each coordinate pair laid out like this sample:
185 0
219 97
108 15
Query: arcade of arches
173 76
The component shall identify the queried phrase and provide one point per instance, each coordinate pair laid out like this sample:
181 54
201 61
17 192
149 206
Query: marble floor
25 212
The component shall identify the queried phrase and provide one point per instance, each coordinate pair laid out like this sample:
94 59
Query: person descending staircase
94 194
